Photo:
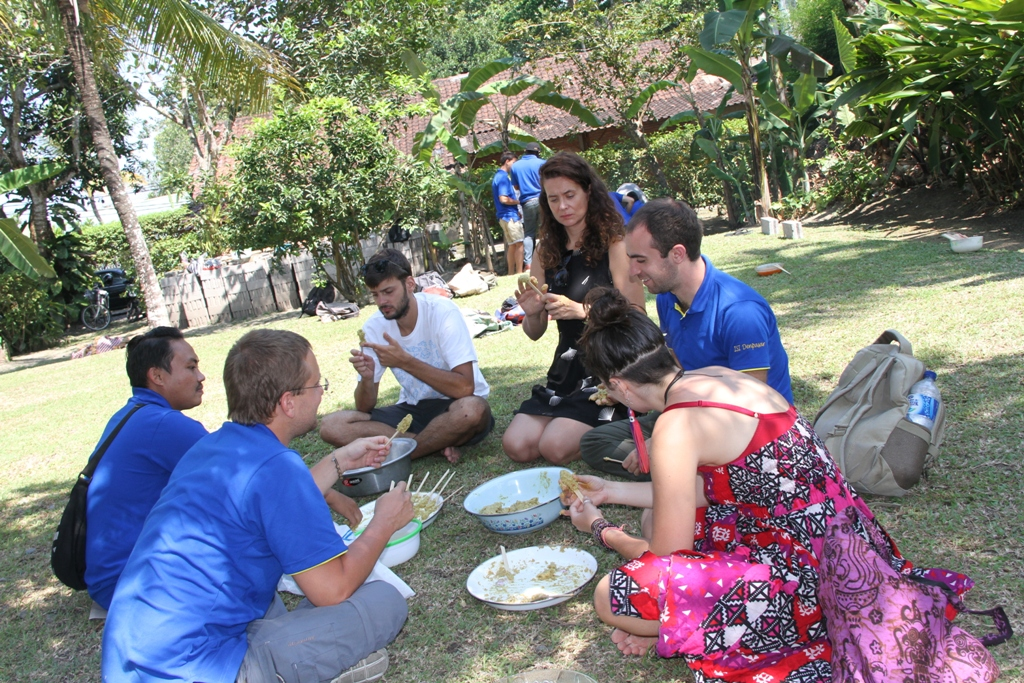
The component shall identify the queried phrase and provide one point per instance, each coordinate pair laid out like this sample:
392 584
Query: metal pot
368 481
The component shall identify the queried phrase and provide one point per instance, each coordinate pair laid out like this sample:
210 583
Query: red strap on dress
769 425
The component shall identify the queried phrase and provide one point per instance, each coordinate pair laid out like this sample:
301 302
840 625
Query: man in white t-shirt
423 339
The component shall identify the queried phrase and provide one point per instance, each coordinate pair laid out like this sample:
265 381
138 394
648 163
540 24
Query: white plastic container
924 401
792 230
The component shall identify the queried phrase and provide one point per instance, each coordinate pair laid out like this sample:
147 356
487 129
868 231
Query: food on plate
424 505
500 508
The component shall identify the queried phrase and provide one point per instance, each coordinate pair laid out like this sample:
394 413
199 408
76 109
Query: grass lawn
963 314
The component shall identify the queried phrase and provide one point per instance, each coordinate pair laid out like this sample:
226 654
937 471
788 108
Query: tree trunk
81 61
39 222
95 207
636 134
753 128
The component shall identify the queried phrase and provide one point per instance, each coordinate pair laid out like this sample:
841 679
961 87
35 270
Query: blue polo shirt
128 482
626 215
526 176
239 510
727 324
501 184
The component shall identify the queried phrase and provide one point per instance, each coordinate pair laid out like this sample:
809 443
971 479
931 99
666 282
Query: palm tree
172 30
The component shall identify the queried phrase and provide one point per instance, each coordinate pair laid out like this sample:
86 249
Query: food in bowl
500 508
517 502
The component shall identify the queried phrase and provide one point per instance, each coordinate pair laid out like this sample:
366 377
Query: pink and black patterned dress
744 605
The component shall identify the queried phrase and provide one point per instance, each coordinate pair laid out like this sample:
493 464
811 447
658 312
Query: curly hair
604 224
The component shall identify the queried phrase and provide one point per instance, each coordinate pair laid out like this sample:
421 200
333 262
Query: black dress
569 387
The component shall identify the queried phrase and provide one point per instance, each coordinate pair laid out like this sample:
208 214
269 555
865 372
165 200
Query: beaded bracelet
598 527
341 475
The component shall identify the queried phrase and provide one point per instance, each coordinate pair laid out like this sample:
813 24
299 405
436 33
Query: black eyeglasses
561 278
325 384
381 266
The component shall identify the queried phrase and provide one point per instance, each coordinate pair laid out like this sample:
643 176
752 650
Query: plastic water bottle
924 401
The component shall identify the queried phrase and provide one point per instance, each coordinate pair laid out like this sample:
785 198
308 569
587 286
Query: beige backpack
864 421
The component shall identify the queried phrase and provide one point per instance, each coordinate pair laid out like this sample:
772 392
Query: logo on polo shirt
747 347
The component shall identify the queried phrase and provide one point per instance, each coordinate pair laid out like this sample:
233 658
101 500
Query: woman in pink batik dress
756 562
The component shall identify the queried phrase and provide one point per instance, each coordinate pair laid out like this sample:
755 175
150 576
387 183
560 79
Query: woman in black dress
580 247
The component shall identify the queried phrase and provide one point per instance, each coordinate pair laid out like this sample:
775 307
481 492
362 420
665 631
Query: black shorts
423 413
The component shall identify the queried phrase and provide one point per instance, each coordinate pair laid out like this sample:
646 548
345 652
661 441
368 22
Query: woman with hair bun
756 561
580 247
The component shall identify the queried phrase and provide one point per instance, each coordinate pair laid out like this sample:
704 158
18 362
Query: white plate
554 570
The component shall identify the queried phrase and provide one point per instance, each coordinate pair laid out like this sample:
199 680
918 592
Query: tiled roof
551 126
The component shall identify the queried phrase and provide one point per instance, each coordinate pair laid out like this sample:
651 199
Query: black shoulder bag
67 554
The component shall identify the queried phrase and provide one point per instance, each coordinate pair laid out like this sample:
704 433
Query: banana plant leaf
23 177
22 253
844 41
721 27
645 96
717 65
545 95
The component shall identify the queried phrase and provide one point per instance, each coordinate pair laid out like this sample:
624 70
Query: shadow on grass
835 280
44 629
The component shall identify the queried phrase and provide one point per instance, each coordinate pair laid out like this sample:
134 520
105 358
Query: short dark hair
259 369
150 350
670 222
506 156
385 264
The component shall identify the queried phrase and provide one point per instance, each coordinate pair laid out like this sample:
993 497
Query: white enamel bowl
557 571
540 483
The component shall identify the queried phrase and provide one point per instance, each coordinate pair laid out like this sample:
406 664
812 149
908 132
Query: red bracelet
598 527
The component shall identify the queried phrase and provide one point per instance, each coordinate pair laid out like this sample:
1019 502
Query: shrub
620 162
30 317
167 235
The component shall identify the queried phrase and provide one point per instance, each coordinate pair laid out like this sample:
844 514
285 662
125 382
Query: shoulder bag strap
95 459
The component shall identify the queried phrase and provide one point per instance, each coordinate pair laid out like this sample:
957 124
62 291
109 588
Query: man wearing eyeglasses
708 317
197 600
423 339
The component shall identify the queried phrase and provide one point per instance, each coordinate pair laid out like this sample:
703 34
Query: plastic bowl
768 269
368 480
967 244
403 544
540 483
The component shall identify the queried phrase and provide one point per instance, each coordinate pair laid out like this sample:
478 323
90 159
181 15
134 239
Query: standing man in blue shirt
507 208
197 600
708 317
526 178
163 370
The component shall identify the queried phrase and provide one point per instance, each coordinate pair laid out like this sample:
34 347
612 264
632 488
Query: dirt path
926 213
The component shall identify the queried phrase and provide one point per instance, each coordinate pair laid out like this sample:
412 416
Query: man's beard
400 311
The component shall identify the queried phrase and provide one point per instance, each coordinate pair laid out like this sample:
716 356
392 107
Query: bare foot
630 644
453 454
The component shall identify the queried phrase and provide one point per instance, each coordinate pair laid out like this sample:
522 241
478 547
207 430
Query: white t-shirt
440 339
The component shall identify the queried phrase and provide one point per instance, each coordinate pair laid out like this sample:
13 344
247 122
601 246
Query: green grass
963 314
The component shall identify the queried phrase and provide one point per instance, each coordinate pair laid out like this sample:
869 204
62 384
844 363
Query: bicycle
96 316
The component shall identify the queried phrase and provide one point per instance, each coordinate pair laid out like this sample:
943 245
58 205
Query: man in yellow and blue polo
708 317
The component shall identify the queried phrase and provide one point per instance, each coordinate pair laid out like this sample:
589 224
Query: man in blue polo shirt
163 370
708 317
197 599
526 178
506 207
